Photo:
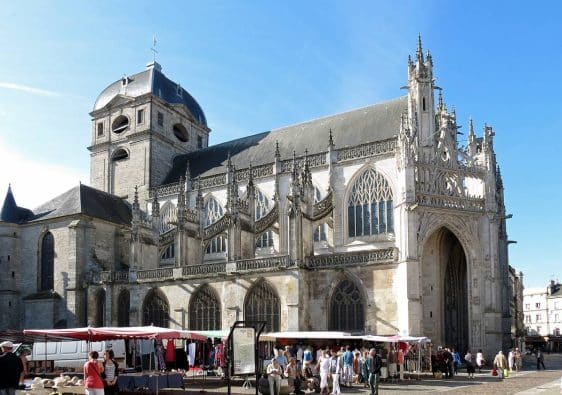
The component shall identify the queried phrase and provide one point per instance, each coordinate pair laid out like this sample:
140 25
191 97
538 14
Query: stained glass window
346 308
262 304
47 262
370 208
123 307
156 310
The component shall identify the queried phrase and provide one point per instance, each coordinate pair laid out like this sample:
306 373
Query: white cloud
34 182
28 89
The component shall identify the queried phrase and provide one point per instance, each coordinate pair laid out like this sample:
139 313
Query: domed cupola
153 81
139 124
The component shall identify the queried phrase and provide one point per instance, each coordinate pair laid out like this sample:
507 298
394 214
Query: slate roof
83 199
373 123
152 80
11 212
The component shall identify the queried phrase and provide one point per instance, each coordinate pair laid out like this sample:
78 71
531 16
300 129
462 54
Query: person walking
11 368
93 382
540 359
469 365
274 372
518 359
510 360
500 363
324 370
347 366
456 361
336 369
110 372
480 361
375 364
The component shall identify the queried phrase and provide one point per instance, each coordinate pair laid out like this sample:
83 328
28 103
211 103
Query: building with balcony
542 309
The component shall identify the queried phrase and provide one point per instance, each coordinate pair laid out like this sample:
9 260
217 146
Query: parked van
70 355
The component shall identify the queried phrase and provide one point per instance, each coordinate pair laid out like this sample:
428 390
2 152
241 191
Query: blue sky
257 65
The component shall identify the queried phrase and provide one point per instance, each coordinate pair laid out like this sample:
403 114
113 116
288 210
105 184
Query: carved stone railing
323 207
367 150
257 172
376 257
451 202
217 227
315 160
267 220
243 206
165 190
156 274
110 277
473 170
211 181
261 264
205 269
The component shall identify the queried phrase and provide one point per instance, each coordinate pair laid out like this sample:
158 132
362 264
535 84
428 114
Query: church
371 221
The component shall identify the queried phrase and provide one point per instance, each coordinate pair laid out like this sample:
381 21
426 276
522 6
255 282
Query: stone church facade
371 221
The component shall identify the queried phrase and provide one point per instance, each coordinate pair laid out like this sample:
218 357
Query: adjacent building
542 308
376 220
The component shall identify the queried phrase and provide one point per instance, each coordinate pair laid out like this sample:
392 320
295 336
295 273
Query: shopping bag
506 373
494 372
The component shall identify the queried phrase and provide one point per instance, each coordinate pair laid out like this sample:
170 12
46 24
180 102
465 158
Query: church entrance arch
445 290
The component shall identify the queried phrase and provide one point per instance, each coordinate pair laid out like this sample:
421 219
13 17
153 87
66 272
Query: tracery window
99 317
168 253
262 208
123 307
205 310
262 304
217 245
346 308
321 231
168 215
213 211
156 310
46 281
265 240
370 209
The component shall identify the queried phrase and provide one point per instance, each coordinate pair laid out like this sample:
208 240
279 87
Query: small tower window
199 142
120 154
423 103
100 129
181 133
160 119
120 124
140 116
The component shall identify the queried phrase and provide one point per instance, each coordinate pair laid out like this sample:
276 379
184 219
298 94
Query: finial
136 205
250 174
470 128
419 51
187 171
440 101
331 139
294 162
153 48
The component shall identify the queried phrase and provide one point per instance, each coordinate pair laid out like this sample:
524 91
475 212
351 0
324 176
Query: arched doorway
445 290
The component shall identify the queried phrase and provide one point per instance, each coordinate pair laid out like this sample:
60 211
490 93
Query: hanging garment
170 352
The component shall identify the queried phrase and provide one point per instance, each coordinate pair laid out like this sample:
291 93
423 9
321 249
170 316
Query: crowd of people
326 370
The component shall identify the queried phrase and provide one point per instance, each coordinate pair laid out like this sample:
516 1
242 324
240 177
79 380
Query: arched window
262 304
99 317
120 124
213 211
321 231
168 215
262 208
47 280
156 310
370 209
120 154
204 310
123 307
346 308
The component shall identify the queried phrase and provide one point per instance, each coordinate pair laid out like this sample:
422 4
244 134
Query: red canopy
113 333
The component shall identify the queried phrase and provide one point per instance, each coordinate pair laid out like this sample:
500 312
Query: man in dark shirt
11 367
374 364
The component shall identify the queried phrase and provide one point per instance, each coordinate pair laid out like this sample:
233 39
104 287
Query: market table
151 381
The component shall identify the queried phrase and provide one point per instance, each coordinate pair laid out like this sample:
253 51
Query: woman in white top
480 361
324 369
274 372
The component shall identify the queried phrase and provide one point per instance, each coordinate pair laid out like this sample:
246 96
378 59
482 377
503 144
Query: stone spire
419 50
188 182
306 174
277 153
136 205
330 139
155 205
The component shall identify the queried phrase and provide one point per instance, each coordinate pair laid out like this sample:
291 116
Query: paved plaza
528 382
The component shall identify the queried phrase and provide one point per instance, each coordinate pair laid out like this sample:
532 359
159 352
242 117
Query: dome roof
152 80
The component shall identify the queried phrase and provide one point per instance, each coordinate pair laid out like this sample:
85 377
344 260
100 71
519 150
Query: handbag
494 371
506 373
